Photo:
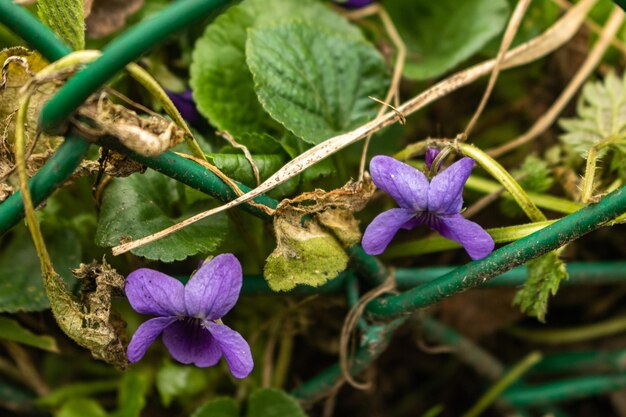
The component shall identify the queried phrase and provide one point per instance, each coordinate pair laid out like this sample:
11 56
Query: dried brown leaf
104 17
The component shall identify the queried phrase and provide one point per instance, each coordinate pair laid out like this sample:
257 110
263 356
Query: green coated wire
72 151
580 273
365 355
588 361
501 260
56 170
193 175
121 51
564 390
567 229
24 24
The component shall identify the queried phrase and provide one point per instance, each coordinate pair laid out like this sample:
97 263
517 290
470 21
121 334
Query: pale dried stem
227 136
393 92
268 357
27 368
591 62
349 324
507 39
557 35
593 26
482 203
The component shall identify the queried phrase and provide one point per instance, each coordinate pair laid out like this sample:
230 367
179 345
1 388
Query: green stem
590 169
561 205
29 208
465 349
590 173
503 177
284 360
506 381
572 335
438 243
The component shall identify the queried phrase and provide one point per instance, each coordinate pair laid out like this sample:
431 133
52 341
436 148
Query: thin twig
349 324
591 62
246 153
507 39
553 38
482 203
597 29
393 91
26 367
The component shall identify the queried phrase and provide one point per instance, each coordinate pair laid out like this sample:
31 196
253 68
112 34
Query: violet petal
430 156
383 228
214 288
186 105
414 222
145 335
472 236
405 184
235 349
190 343
445 195
353 4
153 292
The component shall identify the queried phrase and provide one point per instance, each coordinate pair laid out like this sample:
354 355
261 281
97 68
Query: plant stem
590 173
506 381
571 335
503 177
438 243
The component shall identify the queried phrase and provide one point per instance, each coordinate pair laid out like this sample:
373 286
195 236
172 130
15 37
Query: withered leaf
104 17
148 136
312 232
18 66
89 321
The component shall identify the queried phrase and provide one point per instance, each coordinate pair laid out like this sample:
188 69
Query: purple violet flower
353 4
430 156
186 105
436 204
189 315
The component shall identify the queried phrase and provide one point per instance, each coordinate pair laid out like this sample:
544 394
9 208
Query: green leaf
534 177
15 396
143 204
316 83
66 19
21 287
81 407
237 167
174 381
78 390
601 114
441 34
132 394
221 82
544 276
271 402
12 330
219 407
